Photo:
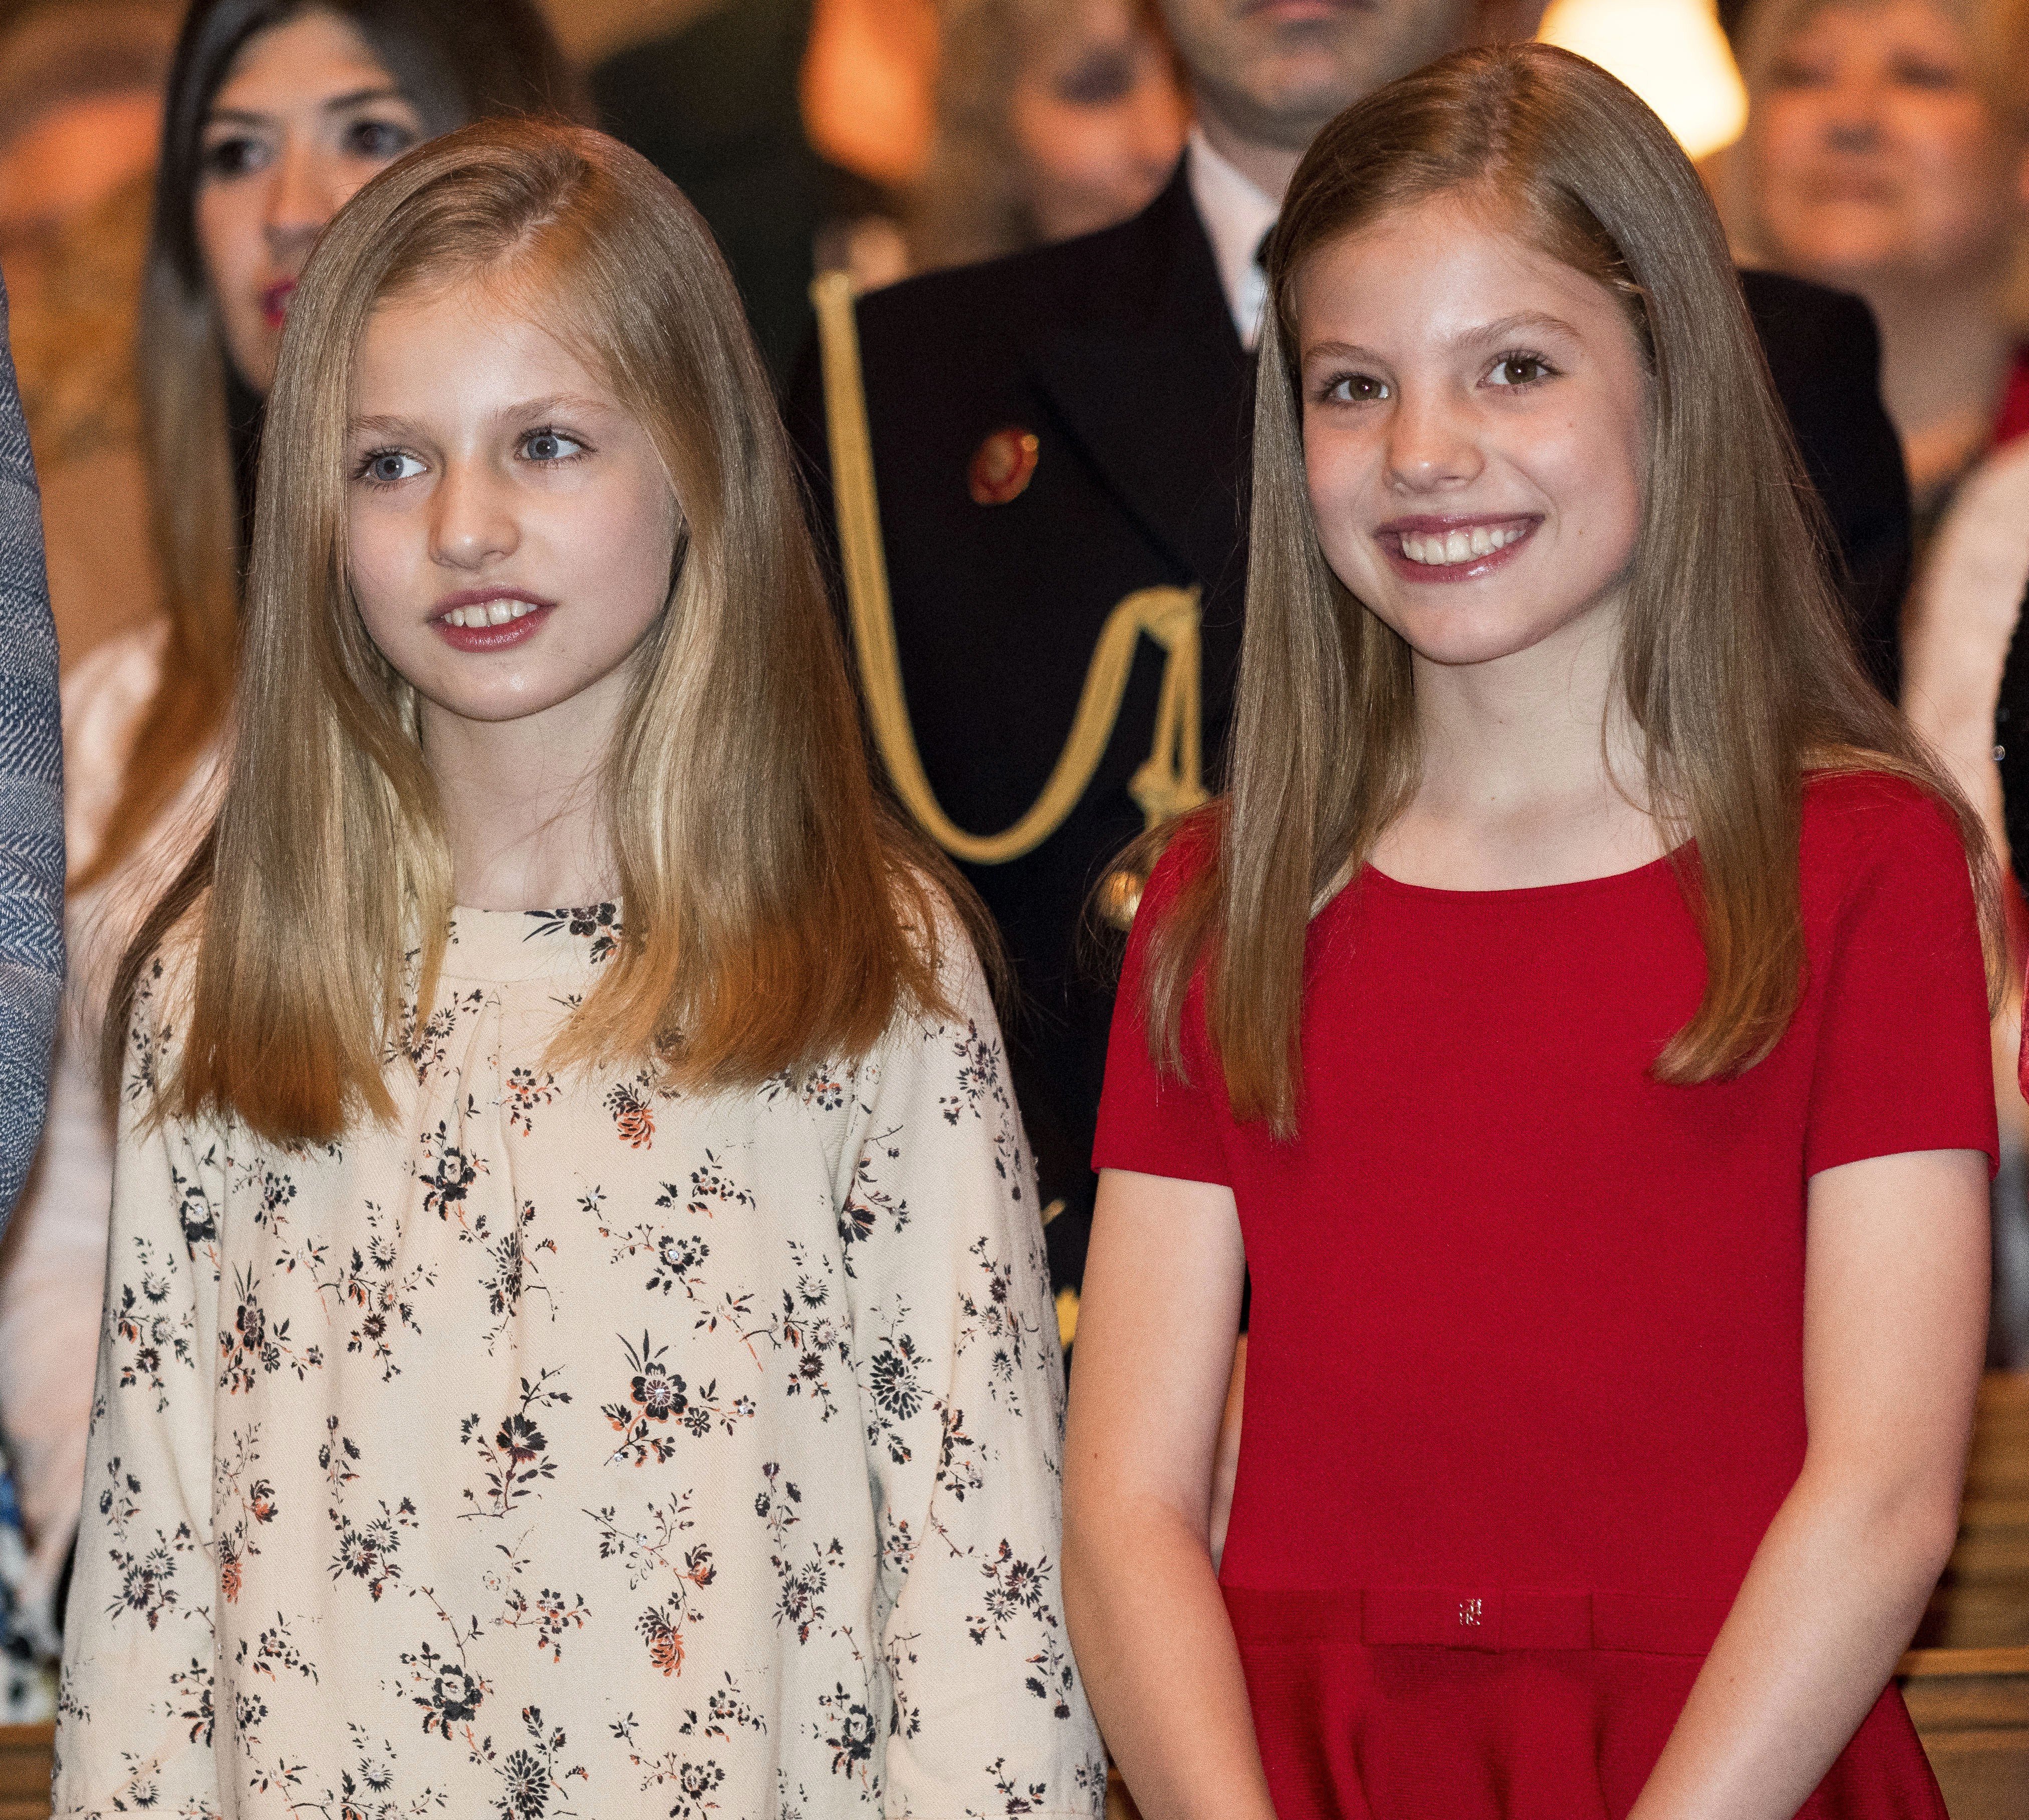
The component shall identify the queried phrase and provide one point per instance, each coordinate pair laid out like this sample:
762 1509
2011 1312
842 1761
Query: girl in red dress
1573 1018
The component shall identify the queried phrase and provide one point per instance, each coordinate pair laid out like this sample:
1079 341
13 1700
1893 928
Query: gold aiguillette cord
1169 783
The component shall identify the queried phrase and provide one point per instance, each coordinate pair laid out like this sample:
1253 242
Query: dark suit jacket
1118 352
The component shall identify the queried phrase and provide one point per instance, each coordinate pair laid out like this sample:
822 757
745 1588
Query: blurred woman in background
1885 153
277 112
1054 118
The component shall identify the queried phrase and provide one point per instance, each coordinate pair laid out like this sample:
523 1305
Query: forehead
1435 271
302 59
464 346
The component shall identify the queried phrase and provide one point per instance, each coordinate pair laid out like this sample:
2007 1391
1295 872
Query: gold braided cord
1167 784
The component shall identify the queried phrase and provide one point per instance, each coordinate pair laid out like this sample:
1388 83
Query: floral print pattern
576 1446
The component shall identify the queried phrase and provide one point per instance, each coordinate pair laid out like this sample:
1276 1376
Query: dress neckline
492 945
1605 881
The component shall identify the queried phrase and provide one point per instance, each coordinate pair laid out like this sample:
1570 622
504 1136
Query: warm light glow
1671 53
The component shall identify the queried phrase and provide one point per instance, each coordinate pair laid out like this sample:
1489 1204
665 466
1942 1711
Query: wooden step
1971 1709
24 1771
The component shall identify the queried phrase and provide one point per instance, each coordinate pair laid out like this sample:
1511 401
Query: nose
1853 114
472 523
302 197
1431 448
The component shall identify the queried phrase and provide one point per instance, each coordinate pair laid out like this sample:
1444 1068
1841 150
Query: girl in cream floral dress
588 1362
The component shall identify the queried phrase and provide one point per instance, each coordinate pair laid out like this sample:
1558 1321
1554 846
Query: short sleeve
1904 1059
1150 1122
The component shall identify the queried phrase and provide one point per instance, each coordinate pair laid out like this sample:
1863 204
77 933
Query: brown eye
1518 369
1358 388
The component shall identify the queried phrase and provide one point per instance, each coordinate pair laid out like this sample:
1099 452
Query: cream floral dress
578 1446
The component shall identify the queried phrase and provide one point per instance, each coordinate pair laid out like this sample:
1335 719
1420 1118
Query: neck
1530 774
521 803
1944 356
1268 167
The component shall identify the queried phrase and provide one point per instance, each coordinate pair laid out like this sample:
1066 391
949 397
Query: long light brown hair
454 61
773 913
1735 664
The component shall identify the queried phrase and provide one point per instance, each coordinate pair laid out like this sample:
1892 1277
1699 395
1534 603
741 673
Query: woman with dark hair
277 113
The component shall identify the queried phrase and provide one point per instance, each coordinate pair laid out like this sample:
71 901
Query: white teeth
1441 549
489 613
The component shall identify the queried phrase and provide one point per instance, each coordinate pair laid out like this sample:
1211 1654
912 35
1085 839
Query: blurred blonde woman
1054 118
1885 153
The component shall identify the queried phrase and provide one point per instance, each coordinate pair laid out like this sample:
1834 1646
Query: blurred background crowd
1881 147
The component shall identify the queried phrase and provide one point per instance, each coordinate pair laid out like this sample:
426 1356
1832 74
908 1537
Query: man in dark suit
1125 357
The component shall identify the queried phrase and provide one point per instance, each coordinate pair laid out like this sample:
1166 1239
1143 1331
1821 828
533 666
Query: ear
1503 21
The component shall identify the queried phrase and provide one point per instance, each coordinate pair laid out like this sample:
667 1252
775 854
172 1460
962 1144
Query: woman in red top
1576 1020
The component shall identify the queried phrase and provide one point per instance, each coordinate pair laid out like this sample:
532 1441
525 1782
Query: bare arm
1156 1323
1894 1329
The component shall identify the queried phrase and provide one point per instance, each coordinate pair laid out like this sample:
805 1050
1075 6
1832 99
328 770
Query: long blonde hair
1735 663
773 913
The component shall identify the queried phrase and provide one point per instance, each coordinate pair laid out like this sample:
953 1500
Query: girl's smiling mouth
1453 546
479 619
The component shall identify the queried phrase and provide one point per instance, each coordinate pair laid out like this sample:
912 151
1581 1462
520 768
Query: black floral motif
517 1455
384 1297
799 1606
447 1173
597 924
660 1402
978 1081
710 1183
847 1730
726 1711
145 1319
449 1692
526 1090
194 1212
993 1317
861 1212
251 1347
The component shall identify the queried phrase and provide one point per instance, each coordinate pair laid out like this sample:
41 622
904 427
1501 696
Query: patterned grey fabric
31 842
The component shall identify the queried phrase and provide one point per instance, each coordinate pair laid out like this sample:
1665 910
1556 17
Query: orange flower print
631 1116
664 1640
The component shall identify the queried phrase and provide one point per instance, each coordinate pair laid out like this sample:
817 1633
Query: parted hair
773 912
1735 663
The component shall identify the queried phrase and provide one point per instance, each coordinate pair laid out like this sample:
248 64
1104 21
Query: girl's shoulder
932 924
1864 826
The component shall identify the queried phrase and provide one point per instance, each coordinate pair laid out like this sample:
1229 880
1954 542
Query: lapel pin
1002 466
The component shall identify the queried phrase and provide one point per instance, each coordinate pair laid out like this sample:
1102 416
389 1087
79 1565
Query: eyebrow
1521 322
337 104
558 403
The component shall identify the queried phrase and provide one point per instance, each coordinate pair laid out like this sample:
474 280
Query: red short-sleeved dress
1524 1381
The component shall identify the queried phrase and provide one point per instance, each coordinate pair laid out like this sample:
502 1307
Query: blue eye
388 468
550 446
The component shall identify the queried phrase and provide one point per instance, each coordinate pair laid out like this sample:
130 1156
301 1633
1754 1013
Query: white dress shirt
1236 214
